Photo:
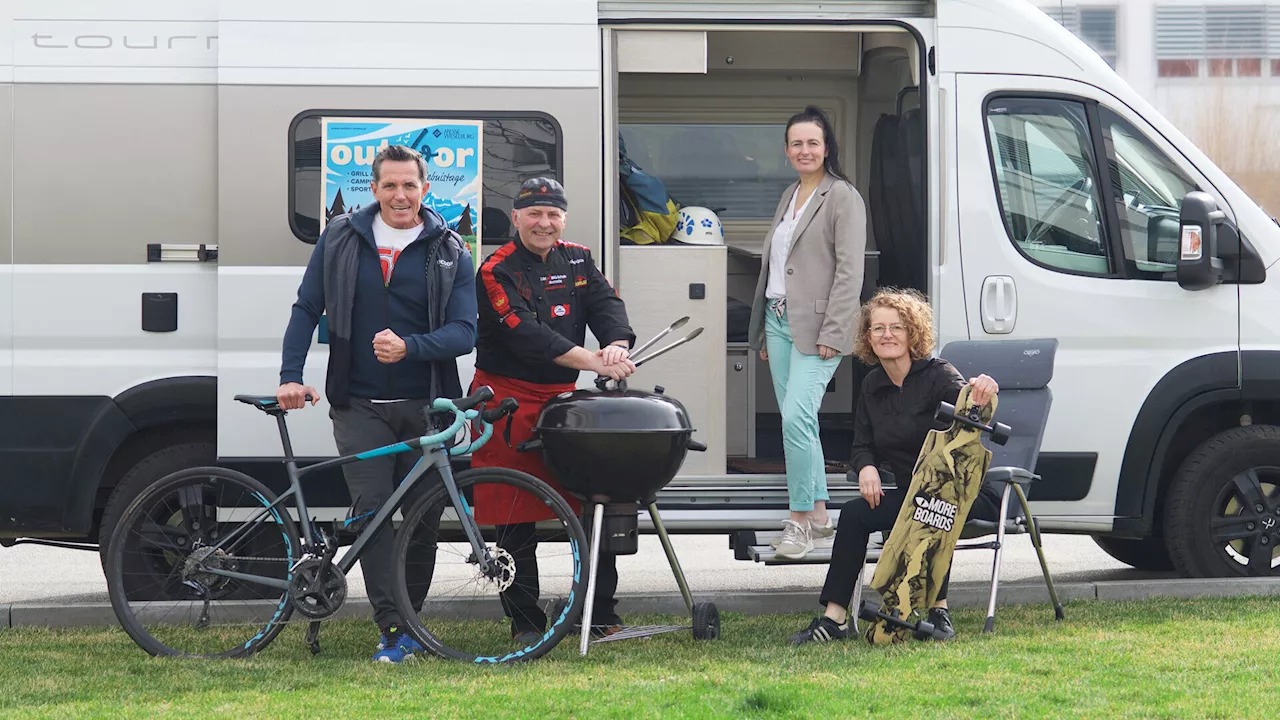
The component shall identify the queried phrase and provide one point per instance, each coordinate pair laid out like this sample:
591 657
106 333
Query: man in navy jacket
397 288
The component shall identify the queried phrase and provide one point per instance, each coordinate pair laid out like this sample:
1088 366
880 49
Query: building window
1216 41
1096 26
515 146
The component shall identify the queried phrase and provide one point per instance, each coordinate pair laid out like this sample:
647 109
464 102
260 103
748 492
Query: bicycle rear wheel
455 609
163 546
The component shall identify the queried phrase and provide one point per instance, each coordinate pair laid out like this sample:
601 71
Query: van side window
1148 191
1046 175
515 146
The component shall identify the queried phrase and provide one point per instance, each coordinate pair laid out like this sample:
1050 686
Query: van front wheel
1224 511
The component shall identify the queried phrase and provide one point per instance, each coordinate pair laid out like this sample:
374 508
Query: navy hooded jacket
403 306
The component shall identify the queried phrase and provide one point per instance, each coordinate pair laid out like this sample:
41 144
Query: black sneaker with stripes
822 629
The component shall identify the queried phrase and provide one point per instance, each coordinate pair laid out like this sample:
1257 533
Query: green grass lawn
1166 658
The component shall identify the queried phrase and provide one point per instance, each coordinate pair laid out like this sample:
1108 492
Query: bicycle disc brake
318 588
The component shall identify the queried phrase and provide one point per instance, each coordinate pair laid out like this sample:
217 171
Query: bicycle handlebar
464 410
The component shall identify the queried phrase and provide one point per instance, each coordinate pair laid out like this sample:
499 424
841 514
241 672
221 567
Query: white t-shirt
776 287
390 242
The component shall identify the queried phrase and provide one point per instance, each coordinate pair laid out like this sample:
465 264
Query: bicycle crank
318 588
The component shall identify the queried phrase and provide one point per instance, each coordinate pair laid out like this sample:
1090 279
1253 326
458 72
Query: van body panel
1108 360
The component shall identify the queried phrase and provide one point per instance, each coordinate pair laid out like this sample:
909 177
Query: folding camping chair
1023 369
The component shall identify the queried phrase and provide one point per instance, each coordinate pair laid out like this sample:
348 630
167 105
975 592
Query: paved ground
32 574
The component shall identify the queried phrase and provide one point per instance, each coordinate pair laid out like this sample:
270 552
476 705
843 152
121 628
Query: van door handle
999 304
165 252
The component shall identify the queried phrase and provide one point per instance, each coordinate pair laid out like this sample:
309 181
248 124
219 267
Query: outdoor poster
453 152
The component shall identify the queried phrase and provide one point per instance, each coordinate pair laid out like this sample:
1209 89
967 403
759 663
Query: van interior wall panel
261 261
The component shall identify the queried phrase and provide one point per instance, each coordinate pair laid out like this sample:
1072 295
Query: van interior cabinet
740 400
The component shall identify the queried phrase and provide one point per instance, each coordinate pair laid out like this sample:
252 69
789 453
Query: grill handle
530 445
696 446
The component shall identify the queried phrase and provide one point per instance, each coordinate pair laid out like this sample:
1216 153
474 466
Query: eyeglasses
896 329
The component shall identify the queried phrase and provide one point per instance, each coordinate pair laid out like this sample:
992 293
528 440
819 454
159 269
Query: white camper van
163 168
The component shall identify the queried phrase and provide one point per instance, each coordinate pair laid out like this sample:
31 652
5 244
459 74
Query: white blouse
776 287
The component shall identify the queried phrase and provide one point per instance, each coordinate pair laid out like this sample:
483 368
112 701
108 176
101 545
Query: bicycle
173 547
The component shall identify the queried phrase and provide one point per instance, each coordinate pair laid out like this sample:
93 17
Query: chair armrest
1018 475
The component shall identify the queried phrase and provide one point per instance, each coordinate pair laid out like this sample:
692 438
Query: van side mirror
1199 266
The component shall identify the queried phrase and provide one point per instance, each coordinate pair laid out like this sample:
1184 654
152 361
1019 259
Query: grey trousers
365 425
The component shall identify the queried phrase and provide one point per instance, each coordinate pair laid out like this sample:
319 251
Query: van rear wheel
1223 516
150 469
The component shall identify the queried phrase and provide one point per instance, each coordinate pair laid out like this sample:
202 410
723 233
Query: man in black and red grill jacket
537 296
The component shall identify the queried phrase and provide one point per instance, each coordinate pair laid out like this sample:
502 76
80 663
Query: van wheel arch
142 459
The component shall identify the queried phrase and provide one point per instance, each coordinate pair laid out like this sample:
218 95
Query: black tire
1210 528
559 625
1146 554
150 469
140 510
706 621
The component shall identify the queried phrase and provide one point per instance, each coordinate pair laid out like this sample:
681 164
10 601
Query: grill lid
601 411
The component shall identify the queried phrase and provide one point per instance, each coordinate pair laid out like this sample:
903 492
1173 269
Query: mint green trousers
799 382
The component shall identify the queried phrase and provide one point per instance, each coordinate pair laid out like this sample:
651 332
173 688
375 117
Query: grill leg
596 522
995 568
671 556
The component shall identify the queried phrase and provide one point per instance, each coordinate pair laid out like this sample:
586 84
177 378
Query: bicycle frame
433 448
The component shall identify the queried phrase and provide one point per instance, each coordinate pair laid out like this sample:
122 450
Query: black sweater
892 422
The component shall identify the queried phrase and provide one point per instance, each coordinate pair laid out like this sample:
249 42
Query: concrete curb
972 594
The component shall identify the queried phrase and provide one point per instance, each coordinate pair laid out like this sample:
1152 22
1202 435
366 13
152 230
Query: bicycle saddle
265 403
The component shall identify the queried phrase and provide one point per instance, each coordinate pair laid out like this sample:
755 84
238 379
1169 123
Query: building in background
1210 66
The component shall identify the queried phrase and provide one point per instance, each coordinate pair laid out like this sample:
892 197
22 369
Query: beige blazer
824 269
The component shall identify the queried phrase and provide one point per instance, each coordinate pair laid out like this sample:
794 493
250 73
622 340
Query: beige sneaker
796 541
824 536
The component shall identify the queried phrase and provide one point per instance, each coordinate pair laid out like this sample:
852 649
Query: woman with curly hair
895 414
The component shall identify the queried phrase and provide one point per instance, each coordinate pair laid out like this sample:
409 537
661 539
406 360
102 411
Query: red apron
501 503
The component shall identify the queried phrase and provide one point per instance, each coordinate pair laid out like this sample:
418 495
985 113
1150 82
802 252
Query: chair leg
995 568
1058 614
856 603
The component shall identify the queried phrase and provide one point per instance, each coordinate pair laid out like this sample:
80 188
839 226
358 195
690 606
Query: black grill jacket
532 312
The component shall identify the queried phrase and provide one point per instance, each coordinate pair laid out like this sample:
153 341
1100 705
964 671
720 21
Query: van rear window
514 148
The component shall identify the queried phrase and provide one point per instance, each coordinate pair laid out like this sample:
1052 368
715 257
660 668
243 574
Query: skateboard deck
946 478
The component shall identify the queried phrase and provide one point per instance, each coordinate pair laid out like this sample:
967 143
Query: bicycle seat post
284 437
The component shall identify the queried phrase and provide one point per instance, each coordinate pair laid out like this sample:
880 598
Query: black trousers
520 601
858 520
365 425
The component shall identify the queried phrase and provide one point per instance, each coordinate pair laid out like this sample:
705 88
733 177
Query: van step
817 556
766 554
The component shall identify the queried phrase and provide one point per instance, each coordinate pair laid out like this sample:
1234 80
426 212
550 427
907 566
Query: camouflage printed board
946 479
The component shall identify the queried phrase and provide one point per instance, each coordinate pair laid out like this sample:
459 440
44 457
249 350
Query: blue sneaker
397 647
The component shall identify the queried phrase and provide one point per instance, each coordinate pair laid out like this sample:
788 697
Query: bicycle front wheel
169 538
460 610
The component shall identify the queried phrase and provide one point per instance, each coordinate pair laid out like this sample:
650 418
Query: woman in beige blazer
804 313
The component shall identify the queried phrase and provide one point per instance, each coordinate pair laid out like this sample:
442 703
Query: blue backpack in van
648 214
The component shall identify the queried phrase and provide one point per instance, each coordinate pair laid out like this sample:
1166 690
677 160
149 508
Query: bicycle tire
116 563
560 626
